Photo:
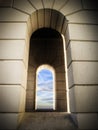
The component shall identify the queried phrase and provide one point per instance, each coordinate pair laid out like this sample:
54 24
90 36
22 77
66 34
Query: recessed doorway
46 48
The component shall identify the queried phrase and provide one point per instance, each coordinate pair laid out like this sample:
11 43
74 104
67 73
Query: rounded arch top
45 66
48 18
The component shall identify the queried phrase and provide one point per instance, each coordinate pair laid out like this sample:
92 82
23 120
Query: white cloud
45 89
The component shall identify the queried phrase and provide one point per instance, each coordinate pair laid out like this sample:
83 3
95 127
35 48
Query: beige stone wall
17 23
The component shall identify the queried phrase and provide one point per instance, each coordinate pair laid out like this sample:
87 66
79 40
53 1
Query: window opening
45 88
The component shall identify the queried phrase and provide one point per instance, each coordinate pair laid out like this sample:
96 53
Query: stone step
47 121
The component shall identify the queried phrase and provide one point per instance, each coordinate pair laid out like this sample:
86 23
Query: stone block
41 18
20 118
90 4
61 95
59 23
87 121
8 121
58 4
13 30
82 51
34 21
30 93
83 17
60 69
31 69
64 27
83 73
67 36
29 27
24 5
47 17
31 76
10 14
12 72
48 3
70 76
83 99
60 86
12 49
60 60
71 6
69 54
61 105
22 100
26 56
30 84
6 3
12 98
83 32
30 105
54 17
37 4
60 77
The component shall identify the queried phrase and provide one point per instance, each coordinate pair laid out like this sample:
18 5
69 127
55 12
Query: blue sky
45 89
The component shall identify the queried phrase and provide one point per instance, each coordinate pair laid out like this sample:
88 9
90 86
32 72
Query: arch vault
77 21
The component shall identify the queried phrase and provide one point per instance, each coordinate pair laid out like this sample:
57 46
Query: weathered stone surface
60 69
59 23
10 14
37 4
58 4
34 21
6 3
8 121
54 17
71 6
30 84
24 5
7 93
41 17
61 105
17 77
12 49
47 121
47 17
17 30
60 86
60 77
83 73
83 17
82 51
83 32
48 3
88 121
83 99
61 95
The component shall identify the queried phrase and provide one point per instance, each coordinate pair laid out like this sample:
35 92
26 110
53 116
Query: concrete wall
17 22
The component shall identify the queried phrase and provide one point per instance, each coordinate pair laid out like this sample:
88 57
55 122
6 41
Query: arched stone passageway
77 21
46 47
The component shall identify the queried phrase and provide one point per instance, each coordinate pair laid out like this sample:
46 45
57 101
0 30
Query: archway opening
46 47
45 88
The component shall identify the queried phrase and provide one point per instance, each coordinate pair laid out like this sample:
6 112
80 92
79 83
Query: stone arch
50 89
49 18
82 27
46 47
